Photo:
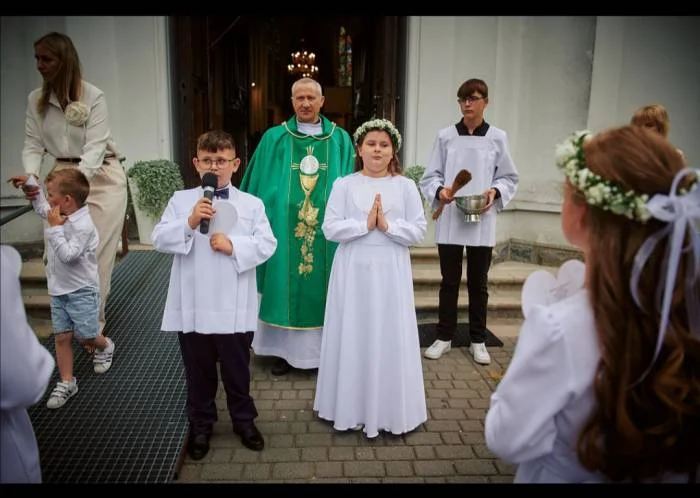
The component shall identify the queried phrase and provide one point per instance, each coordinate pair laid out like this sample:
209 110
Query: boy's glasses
220 162
469 99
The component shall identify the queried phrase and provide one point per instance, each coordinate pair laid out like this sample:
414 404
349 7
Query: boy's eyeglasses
207 162
469 99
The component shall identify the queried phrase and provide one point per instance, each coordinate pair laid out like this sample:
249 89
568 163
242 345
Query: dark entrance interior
230 72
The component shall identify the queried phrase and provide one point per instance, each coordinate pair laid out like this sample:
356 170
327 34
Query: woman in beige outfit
67 119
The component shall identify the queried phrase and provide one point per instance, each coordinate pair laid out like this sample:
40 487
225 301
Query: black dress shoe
280 367
198 446
250 437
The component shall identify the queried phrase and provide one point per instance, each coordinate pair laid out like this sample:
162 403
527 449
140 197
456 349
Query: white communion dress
371 371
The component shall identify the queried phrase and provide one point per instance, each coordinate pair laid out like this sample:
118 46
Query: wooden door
213 62
201 77
190 89
390 65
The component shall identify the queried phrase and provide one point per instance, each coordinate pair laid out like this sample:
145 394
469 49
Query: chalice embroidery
308 214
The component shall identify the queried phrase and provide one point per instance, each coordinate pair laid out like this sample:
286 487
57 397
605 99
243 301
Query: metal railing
19 211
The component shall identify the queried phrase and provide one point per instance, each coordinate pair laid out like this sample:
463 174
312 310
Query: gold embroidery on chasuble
306 164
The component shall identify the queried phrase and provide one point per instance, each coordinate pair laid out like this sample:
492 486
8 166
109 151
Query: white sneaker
479 352
437 349
61 393
103 358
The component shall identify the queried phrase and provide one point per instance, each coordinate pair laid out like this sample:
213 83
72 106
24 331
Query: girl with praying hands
371 377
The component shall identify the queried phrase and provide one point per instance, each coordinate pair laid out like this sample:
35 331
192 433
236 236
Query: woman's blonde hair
67 81
638 430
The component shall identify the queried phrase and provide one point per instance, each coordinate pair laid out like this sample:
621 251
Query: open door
230 72
207 77
390 61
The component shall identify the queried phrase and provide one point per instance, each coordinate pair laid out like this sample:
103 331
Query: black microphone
209 184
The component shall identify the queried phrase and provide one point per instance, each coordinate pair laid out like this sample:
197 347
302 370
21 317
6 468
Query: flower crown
680 212
378 124
597 190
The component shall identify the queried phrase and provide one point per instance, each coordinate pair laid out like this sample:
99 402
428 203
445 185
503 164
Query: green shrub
415 173
156 181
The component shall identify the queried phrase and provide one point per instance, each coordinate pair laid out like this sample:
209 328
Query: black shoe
198 446
280 367
250 437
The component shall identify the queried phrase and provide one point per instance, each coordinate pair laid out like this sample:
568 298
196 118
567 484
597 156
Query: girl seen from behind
604 384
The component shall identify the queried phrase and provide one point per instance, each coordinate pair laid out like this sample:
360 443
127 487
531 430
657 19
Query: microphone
209 184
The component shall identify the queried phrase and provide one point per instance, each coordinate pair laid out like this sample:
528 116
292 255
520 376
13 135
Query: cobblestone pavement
300 448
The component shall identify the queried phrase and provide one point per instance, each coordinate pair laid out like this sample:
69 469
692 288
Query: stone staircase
35 295
37 302
505 284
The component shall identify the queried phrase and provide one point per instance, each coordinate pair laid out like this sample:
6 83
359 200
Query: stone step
508 275
505 284
501 327
37 302
502 304
37 305
33 272
424 254
42 326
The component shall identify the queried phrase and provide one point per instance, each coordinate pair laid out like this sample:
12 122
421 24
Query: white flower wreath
77 113
597 190
379 124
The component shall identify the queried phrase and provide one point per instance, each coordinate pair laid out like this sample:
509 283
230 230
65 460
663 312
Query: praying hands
376 218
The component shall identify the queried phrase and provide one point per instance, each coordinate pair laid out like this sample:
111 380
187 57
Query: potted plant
415 173
152 184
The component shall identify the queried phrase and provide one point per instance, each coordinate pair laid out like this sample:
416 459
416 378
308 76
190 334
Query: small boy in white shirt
71 272
212 298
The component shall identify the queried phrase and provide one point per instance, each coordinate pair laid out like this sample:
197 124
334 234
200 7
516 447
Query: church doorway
231 72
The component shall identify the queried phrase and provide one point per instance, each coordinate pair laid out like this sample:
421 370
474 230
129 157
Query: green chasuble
293 174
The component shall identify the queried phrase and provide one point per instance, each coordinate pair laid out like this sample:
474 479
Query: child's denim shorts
77 311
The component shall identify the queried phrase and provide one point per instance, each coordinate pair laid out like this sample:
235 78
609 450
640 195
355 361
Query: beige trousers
107 206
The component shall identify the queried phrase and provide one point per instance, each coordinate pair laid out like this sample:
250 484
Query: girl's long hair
638 431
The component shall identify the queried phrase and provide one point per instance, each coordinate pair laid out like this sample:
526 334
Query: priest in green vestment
292 170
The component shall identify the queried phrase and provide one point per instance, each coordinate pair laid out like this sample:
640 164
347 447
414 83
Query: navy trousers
478 264
200 353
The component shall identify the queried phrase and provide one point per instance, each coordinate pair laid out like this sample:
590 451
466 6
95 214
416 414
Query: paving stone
301 448
364 469
329 469
314 454
399 468
301 470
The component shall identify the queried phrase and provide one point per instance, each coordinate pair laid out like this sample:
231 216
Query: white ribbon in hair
681 213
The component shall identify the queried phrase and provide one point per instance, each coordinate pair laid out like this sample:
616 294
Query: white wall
124 56
645 60
547 77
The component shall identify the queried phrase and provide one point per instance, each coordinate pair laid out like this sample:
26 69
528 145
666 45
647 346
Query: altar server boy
212 300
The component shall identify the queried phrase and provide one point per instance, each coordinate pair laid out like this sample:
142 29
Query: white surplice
371 371
488 160
546 396
25 370
211 292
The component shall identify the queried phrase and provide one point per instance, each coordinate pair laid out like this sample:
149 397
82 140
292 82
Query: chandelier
303 64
